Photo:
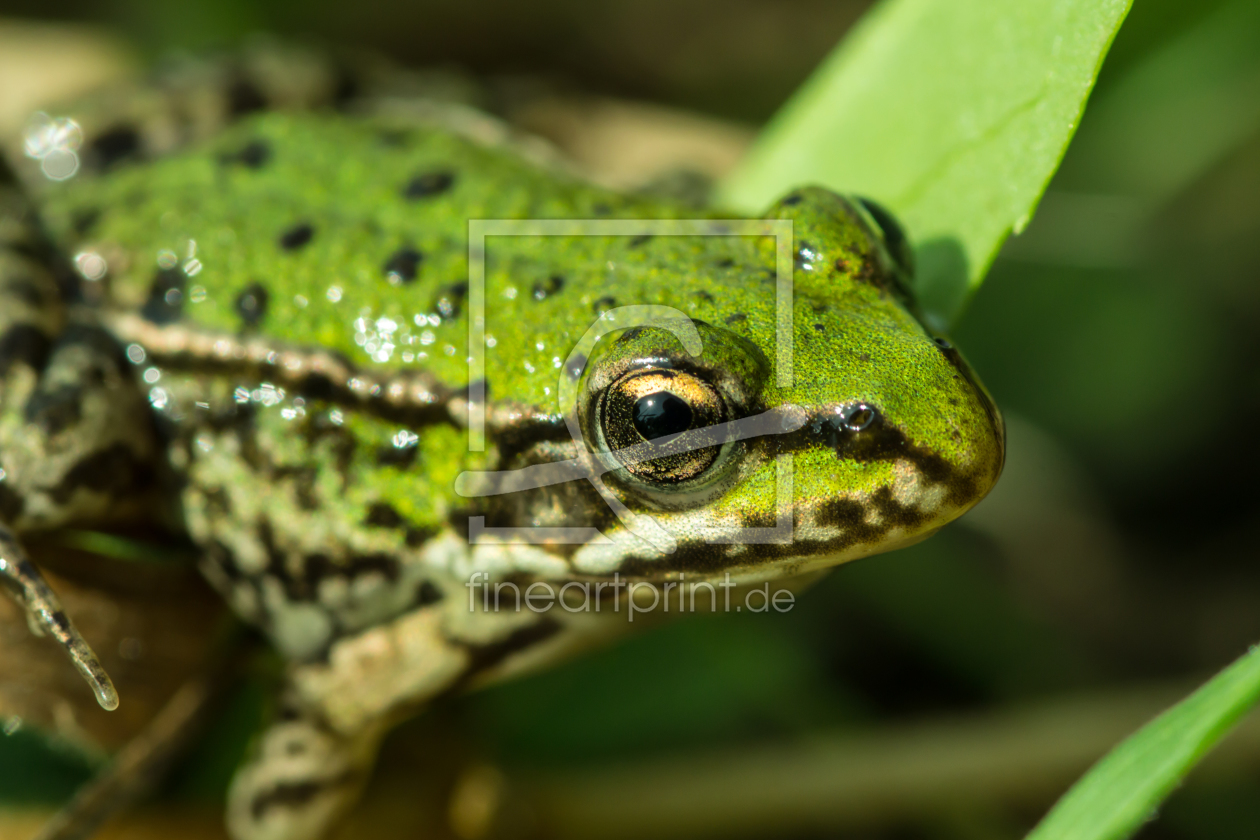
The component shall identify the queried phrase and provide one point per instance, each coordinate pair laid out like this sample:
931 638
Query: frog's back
351 235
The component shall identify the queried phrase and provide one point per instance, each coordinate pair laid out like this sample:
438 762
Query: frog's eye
647 405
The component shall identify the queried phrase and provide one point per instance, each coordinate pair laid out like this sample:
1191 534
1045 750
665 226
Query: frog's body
266 343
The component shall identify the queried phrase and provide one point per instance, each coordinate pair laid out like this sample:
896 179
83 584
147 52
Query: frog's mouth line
854 431
837 427
779 433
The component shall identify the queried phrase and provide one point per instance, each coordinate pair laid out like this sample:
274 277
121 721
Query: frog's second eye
895 239
644 406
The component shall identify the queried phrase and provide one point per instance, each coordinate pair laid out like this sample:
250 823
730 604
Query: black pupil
660 414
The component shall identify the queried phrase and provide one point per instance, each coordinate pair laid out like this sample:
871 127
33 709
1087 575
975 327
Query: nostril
859 417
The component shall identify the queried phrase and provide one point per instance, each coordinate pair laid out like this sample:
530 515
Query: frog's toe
43 609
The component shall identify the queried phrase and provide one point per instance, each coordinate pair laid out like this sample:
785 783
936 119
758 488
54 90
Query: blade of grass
952 114
1122 791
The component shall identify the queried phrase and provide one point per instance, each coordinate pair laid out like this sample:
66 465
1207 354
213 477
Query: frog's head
881 435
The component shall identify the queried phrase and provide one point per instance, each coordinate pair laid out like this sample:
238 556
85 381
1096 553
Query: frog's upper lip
876 438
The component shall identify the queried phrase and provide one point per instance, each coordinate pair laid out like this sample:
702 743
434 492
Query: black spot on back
297 236
243 97
428 184
166 297
450 301
636 241
251 305
403 265
550 286
253 155
113 146
736 318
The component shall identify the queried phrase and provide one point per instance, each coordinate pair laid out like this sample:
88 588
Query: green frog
242 303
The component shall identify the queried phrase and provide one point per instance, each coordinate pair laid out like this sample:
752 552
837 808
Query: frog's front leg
308 768
301 778
310 765
76 444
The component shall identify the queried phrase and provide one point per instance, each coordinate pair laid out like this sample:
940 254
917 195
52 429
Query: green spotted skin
291 293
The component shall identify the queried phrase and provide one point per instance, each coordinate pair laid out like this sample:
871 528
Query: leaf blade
1122 790
952 114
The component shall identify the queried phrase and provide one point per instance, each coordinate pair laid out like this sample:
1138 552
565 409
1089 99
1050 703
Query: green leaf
1175 114
1121 792
952 113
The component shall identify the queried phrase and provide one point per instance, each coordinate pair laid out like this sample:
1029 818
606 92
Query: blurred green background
1114 566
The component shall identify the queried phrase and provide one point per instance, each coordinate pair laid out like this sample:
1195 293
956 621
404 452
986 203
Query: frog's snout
871 481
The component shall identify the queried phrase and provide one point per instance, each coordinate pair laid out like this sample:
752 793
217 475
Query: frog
243 304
